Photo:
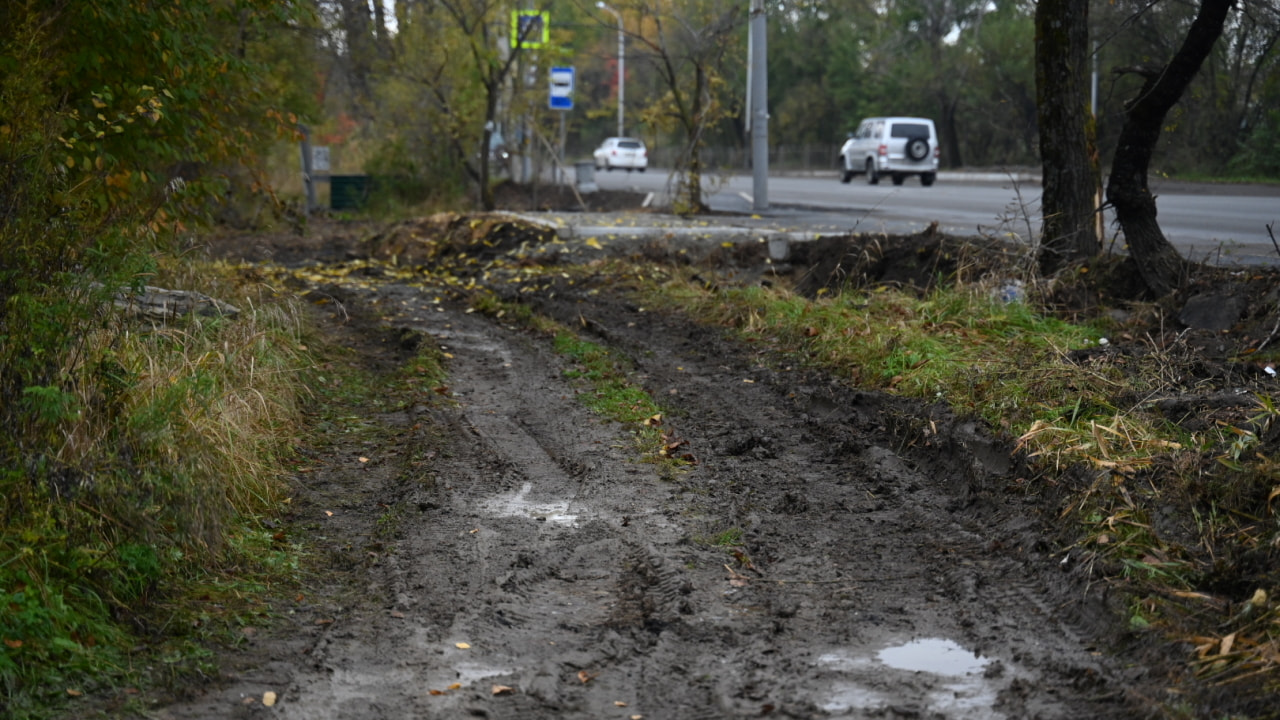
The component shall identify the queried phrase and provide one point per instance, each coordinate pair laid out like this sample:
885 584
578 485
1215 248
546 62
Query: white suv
893 146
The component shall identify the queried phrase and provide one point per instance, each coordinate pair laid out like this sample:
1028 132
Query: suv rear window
630 144
909 130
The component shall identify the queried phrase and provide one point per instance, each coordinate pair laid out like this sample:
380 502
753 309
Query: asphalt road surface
1219 224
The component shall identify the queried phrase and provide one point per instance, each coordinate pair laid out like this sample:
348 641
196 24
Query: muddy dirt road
831 553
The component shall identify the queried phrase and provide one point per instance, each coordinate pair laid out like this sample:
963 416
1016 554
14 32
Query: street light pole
759 109
621 64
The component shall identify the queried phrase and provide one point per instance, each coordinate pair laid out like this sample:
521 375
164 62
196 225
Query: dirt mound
479 237
919 261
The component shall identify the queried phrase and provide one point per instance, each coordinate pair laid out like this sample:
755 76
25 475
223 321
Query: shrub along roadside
138 483
133 458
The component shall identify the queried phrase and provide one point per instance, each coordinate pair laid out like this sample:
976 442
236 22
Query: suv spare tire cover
917 148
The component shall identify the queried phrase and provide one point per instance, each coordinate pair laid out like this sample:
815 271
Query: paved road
1214 223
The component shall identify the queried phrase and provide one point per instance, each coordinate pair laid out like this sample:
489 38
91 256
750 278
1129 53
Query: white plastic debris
1010 292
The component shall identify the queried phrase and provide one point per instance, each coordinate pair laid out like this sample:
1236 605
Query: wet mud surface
830 554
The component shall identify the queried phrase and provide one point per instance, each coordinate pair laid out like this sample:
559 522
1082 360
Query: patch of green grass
981 356
609 392
727 538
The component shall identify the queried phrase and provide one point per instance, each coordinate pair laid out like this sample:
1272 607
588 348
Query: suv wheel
926 179
917 148
873 177
898 178
845 173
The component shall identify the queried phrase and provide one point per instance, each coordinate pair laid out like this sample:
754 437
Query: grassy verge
138 529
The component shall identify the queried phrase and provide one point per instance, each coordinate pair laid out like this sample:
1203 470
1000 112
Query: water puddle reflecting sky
935 655
961 690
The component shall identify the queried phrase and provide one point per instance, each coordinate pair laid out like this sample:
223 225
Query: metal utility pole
621 63
759 110
308 174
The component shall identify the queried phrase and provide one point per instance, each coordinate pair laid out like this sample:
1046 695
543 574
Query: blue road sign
561 88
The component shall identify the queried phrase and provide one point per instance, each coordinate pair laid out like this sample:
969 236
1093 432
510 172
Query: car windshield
909 130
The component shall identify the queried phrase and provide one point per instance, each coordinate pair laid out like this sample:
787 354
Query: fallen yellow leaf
456 686
502 690
74 693
462 646
593 243
268 698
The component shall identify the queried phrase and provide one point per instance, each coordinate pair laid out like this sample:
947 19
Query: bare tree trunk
1159 263
950 136
1066 146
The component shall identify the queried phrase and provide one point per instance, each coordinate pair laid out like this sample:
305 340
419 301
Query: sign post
562 88
561 98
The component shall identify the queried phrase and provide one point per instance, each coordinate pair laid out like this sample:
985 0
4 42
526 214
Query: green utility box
348 192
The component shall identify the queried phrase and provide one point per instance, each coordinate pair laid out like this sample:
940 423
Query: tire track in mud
868 580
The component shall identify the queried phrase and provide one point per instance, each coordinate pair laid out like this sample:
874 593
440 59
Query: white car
622 152
895 146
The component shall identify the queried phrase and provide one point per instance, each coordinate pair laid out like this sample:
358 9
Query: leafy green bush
128 447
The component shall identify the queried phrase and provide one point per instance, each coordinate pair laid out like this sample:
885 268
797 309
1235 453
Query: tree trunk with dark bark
357 29
950 136
1066 145
1159 263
